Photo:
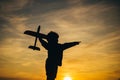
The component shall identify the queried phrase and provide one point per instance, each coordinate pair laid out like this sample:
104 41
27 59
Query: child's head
52 37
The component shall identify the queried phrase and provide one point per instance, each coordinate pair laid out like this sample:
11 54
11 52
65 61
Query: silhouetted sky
94 22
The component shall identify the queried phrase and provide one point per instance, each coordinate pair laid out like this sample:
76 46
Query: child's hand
37 35
77 42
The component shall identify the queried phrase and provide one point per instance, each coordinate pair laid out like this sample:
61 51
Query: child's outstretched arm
70 44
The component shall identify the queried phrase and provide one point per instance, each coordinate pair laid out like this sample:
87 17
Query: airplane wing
34 34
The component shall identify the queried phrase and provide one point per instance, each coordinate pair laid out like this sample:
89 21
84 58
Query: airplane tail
34 48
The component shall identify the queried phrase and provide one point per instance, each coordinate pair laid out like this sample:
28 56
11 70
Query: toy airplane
35 34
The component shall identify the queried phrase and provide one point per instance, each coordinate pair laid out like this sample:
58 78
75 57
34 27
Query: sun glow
67 78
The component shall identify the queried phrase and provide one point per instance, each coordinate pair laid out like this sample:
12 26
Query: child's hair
52 35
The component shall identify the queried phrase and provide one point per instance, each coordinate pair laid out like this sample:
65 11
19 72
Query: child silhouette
55 53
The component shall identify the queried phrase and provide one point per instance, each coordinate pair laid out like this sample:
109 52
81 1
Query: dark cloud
4 24
110 18
49 1
7 32
91 2
33 7
104 2
7 26
30 7
40 7
113 2
3 21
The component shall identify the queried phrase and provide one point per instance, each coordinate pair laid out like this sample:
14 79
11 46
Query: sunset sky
94 22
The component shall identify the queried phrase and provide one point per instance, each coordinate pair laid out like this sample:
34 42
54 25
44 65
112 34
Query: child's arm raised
44 43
